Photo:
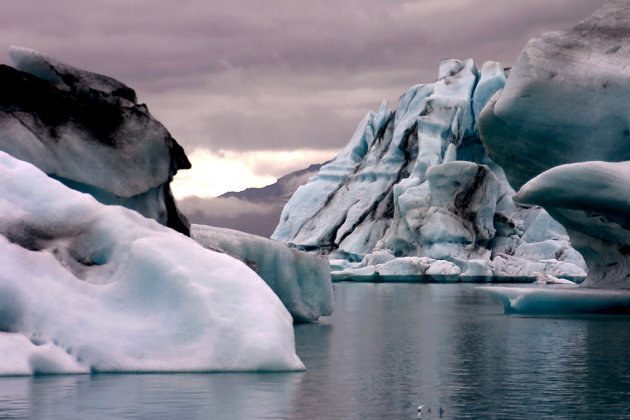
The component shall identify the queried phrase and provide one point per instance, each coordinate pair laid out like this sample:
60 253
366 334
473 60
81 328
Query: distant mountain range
282 189
253 210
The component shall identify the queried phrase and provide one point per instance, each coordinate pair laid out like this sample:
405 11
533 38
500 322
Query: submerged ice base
561 300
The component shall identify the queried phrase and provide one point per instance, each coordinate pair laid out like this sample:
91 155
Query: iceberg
561 300
88 131
414 196
564 101
302 281
298 216
560 130
92 288
592 201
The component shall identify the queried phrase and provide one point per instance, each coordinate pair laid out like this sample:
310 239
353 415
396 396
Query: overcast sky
254 89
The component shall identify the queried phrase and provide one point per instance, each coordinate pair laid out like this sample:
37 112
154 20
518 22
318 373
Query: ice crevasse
92 288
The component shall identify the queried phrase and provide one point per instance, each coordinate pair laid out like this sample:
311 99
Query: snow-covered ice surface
302 281
561 300
414 196
91 288
88 131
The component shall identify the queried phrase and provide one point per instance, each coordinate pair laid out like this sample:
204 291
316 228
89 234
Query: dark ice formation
88 131
566 99
563 119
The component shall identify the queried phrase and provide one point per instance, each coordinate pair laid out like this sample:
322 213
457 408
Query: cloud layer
272 75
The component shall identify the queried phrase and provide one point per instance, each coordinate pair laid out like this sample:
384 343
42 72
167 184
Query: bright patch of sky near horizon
238 169
254 90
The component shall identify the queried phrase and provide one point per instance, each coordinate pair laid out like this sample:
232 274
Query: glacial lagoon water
387 349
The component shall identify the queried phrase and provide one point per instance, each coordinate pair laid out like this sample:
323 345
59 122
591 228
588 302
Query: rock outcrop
88 131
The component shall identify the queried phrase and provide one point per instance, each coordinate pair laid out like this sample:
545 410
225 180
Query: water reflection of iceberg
213 396
561 300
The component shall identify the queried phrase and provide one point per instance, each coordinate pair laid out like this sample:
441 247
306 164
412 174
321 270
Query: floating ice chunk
549 279
589 186
407 269
475 269
357 274
101 288
443 268
329 211
301 280
403 267
592 200
561 300
515 268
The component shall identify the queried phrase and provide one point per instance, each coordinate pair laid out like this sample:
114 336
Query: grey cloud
209 36
321 126
172 50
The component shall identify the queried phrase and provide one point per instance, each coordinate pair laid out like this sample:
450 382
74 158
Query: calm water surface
387 349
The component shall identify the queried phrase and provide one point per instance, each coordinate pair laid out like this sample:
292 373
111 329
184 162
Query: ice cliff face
91 288
561 115
88 131
301 281
414 194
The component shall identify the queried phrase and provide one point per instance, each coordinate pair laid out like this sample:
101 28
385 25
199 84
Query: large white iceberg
302 281
414 196
91 288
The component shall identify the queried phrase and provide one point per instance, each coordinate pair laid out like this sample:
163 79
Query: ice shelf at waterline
414 195
551 300
86 287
